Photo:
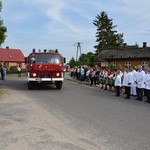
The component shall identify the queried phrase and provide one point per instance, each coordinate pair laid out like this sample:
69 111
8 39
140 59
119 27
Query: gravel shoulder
25 125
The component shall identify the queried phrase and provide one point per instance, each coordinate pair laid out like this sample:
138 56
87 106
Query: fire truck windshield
45 58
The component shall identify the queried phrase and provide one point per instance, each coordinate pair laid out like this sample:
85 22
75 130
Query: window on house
144 63
104 64
128 64
113 64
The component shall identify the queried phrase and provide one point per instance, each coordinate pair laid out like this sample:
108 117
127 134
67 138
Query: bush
111 67
12 69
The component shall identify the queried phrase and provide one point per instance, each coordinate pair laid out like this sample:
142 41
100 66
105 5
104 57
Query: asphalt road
78 117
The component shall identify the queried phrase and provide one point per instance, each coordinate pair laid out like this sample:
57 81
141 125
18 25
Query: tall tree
3 29
106 36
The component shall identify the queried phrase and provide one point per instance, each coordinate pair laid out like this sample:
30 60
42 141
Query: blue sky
59 24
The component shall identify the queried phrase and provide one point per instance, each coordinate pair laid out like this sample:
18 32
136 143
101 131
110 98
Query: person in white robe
147 85
117 83
133 84
124 82
140 76
129 78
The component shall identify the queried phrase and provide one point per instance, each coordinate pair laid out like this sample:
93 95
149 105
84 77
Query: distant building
12 57
127 56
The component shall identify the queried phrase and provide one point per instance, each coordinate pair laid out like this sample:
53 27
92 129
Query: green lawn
16 75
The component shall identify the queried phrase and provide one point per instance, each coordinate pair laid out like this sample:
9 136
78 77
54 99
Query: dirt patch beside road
25 125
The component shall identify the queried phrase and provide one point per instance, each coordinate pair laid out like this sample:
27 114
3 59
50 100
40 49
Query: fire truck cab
45 67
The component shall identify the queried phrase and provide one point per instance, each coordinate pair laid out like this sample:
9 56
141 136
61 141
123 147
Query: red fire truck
45 68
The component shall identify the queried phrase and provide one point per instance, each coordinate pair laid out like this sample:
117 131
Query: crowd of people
135 81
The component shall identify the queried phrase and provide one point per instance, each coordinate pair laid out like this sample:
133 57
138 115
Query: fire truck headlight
57 74
34 74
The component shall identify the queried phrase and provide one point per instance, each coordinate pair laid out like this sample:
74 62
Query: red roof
11 55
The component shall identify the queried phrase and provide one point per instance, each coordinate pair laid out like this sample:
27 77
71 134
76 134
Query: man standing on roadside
2 72
129 79
19 71
147 84
124 82
133 84
118 83
140 76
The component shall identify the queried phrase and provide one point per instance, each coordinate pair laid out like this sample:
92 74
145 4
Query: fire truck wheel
30 85
58 84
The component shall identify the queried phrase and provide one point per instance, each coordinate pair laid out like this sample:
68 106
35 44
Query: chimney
33 50
124 45
144 44
7 47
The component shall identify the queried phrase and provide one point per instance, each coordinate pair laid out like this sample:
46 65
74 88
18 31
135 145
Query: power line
136 21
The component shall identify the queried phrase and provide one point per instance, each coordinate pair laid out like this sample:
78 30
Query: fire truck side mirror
26 60
64 60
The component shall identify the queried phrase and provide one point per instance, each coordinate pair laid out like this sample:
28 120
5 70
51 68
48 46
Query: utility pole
78 45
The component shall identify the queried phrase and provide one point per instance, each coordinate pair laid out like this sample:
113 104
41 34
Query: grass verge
1 92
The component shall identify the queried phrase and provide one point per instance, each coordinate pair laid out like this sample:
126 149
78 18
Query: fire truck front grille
48 74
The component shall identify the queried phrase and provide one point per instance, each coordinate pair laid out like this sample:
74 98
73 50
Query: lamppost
78 45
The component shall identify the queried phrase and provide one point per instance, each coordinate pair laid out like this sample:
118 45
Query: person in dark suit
2 72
